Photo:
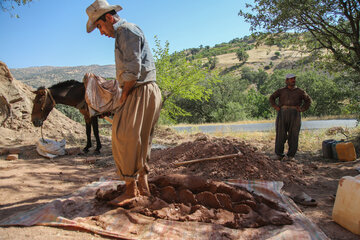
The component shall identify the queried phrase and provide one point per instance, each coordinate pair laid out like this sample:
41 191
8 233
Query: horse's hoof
97 152
85 150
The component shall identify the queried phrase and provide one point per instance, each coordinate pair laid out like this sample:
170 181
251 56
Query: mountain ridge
263 57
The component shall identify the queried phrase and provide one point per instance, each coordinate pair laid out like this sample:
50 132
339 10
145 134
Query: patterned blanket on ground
80 211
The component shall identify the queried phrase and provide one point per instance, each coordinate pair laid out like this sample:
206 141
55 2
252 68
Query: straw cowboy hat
96 10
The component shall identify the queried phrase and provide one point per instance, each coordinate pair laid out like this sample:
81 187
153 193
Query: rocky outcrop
15 115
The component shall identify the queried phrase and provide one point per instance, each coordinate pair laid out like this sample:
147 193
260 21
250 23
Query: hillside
262 57
47 75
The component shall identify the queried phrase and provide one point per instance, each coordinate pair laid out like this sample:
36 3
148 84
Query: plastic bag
50 148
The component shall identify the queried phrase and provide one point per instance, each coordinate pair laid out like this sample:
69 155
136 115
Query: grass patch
309 140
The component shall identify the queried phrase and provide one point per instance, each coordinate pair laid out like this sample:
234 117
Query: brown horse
71 93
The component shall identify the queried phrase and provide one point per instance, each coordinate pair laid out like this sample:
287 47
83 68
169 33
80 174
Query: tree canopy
180 78
9 5
331 25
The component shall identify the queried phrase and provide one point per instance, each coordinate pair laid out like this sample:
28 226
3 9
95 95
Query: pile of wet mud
191 198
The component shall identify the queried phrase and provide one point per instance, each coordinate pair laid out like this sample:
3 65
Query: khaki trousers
133 128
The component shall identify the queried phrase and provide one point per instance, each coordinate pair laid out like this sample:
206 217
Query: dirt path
32 180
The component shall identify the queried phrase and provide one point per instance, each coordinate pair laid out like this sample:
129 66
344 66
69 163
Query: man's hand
277 108
123 97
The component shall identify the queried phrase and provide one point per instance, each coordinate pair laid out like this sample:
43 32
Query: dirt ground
33 180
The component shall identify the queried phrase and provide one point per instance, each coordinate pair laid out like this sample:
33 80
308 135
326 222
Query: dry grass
260 57
310 141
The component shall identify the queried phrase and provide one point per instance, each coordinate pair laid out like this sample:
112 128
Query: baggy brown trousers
133 128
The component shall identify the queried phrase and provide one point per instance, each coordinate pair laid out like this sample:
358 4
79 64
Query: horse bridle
48 93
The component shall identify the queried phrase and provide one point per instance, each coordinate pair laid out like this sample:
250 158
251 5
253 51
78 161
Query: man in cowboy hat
292 101
133 124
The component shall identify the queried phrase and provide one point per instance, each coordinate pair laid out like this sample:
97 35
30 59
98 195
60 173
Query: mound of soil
251 165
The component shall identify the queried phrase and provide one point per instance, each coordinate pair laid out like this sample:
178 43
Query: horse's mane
65 84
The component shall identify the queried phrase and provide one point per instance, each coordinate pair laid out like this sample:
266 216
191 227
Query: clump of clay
191 198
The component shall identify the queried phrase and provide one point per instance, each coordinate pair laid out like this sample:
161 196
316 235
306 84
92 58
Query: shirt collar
119 23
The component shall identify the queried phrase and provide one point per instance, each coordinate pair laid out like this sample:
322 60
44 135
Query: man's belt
289 107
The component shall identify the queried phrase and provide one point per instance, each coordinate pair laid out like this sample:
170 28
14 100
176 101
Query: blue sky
53 32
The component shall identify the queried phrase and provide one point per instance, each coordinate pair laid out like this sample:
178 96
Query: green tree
180 79
330 25
257 105
254 77
225 104
228 99
9 5
212 61
242 55
70 112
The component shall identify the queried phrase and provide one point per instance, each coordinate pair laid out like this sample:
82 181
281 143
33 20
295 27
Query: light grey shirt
133 58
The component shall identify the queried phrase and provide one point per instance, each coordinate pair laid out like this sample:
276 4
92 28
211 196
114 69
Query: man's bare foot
143 185
128 196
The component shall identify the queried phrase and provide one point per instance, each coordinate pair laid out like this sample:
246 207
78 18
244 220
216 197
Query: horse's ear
40 92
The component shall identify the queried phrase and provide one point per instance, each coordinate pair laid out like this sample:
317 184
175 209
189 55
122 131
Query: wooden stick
210 158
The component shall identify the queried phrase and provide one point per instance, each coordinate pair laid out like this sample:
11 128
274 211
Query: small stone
12 157
90 160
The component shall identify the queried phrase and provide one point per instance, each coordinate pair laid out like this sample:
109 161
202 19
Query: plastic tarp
124 224
101 95
50 148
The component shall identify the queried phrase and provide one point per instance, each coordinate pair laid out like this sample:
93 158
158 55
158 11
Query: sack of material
101 95
49 148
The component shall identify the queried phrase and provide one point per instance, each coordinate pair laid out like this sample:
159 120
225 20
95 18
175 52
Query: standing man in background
133 124
292 101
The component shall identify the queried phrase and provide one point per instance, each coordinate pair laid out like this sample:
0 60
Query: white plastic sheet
50 148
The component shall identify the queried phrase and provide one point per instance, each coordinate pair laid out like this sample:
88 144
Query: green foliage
352 89
211 64
254 77
257 105
329 25
230 112
225 103
219 49
227 99
180 79
242 55
70 112
10 5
